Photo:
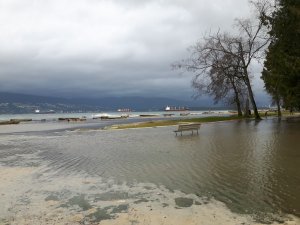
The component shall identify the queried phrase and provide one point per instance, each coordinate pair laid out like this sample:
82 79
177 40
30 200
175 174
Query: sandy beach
26 198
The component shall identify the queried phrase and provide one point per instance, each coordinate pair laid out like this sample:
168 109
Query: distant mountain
23 103
137 103
6 97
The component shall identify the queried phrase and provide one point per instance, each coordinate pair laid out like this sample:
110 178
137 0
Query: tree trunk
278 105
248 84
251 96
237 99
247 114
238 105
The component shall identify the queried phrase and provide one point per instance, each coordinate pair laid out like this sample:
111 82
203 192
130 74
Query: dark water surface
253 167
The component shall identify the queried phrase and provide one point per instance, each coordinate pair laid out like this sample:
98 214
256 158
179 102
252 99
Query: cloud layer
104 47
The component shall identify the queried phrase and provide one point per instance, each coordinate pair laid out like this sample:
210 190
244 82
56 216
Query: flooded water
251 167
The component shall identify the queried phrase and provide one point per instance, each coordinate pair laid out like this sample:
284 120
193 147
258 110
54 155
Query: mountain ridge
25 103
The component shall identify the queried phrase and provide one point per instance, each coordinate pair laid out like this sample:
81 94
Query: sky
97 48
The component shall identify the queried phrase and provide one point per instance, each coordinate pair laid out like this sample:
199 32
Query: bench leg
192 132
197 132
181 133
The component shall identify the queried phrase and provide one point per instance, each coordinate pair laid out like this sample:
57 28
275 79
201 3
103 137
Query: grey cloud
91 47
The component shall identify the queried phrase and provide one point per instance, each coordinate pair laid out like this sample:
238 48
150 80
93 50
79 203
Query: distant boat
171 108
124 110
37 111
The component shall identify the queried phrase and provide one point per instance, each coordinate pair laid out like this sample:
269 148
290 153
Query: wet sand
33 196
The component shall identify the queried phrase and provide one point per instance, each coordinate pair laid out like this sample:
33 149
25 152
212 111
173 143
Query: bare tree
225 84
233 54
225 75
252 41
217 73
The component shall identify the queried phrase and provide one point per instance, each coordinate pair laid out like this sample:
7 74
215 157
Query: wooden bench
187 127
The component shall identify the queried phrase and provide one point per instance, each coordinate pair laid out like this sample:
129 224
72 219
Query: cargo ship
124 110
37 111
171 108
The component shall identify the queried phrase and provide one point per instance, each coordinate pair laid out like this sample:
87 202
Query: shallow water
252 167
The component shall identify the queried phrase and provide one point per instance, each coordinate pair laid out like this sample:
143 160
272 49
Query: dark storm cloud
116 48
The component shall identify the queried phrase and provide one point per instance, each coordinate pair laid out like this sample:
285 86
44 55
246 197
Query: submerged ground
235 172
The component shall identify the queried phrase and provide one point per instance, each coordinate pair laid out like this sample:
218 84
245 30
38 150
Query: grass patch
159 123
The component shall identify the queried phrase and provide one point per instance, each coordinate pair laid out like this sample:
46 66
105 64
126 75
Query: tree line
221 61
281 72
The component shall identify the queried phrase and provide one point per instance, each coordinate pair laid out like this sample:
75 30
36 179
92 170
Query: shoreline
176 122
